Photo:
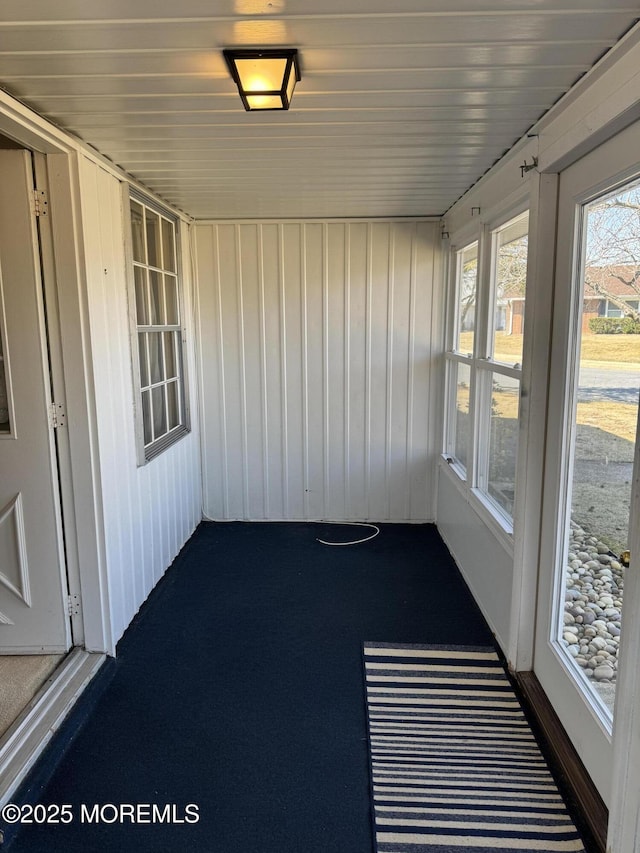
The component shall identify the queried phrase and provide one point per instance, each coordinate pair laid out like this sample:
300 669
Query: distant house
605 288
510 313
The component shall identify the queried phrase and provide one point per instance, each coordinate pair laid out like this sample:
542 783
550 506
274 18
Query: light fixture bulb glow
265 78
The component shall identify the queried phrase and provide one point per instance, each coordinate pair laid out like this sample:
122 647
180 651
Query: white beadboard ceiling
403 104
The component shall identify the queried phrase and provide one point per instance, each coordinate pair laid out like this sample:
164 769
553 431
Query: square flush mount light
265 77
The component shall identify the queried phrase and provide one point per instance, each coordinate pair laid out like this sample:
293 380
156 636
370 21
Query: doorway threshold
24 741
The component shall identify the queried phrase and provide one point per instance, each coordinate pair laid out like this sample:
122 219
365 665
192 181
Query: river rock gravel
593 606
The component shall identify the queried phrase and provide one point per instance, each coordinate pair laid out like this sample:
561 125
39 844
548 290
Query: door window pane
462 416
603 445
503 440
467 273
5 426
510 271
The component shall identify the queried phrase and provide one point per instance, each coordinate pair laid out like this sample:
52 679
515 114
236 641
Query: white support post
533 411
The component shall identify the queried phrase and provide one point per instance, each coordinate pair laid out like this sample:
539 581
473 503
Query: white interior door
591 442
32 578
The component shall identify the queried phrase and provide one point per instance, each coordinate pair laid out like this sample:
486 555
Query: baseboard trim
23 743
576 780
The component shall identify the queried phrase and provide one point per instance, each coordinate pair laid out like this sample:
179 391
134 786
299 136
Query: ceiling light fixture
265 77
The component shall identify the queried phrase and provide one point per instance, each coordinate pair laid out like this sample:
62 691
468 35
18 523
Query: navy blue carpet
238 690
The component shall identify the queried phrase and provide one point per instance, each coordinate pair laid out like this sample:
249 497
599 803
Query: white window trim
480 365
453 356
147 454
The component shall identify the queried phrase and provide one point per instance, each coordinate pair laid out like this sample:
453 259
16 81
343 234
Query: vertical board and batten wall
149 511
319 347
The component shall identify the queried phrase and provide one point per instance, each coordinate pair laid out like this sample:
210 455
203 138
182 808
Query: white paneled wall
150 511
319 382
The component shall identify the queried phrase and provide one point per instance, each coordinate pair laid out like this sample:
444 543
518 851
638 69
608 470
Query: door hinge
57 415
40 203
73 605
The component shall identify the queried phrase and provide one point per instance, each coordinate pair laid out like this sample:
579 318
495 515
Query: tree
468 285
612 258
511 278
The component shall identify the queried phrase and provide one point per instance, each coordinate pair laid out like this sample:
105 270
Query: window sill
155 450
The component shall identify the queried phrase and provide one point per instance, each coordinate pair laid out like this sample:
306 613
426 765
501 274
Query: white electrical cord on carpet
350 524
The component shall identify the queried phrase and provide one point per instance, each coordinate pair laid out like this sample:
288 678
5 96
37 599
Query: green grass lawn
594 347
619 419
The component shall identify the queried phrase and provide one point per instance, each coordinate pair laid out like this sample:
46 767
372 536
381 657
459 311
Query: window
613 310
156 308
460 357
467 283
484 365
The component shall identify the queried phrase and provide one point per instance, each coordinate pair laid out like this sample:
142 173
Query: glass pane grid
483 409
158 323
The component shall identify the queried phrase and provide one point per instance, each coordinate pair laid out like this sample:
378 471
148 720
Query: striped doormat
454 764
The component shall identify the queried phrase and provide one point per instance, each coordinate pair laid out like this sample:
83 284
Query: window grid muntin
487 366
482 366
155 439
456 356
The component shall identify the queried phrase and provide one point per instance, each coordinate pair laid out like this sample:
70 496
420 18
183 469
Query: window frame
146 452
473 478
454 357
488 366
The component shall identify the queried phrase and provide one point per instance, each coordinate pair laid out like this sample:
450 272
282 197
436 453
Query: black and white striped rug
454 764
